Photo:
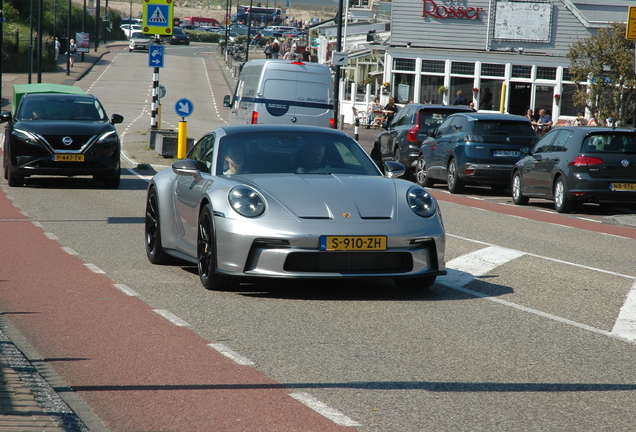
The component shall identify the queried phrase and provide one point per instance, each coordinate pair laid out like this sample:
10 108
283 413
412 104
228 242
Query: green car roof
20 90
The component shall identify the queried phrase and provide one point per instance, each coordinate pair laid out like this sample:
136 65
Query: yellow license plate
353 243
68 158
630 187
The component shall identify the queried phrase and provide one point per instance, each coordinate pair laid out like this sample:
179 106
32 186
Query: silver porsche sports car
292 202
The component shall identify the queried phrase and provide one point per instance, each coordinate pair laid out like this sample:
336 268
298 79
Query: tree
606 60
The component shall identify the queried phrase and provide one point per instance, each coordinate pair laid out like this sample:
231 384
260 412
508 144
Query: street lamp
249 28
336 90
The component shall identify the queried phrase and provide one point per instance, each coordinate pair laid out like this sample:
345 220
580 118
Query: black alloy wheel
206 253
154 248
562 203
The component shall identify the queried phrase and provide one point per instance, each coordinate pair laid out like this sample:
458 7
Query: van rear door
295 94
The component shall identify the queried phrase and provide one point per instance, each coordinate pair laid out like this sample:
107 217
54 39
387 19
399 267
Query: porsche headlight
246 201
421 202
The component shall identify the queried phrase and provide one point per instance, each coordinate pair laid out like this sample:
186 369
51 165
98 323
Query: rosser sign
443 12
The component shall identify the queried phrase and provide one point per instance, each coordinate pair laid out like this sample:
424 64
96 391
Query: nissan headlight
246 201
421 202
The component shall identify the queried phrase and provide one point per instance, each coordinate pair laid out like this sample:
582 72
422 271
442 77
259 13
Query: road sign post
184 108
157 16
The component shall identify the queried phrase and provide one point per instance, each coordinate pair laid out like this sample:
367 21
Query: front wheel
154 248
517 196
13 179
562 203
421 174
455 184
206 254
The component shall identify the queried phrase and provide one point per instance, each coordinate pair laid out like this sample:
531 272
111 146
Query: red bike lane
136 370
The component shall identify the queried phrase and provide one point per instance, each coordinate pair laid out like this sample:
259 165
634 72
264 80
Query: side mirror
393 169
116 118
187 167
5 117
432 132
227 101
525 150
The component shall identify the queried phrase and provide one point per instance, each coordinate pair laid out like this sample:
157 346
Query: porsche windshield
60 107
294 152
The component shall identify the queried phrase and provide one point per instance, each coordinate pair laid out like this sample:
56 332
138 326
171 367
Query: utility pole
336 90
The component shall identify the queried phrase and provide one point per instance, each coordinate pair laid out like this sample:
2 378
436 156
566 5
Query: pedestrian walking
57 48
72 52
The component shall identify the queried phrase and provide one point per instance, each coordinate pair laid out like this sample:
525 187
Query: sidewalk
27 401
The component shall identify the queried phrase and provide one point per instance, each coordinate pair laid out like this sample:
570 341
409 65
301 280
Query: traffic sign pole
182 139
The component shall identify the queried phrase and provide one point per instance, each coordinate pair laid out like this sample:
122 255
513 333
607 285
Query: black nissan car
56 134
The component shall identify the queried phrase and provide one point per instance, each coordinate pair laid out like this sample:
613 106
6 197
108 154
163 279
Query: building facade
504 55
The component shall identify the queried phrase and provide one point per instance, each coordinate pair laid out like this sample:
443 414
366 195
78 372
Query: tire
455 184
152 230
517 195
206 254
12 179
415 283
421 176
562 203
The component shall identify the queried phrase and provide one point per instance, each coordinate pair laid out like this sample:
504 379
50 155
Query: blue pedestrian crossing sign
184 107
157 17
155 56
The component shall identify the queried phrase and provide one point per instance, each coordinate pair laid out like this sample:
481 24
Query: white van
282 92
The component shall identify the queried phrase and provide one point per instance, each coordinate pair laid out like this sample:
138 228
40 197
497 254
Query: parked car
402 138
295 202
139 41
474 148
179 37
60 134
129 29
573 165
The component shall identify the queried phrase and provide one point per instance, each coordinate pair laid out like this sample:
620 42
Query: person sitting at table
544 123
392 110
374 106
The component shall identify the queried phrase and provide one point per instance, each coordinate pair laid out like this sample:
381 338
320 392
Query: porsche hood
321 196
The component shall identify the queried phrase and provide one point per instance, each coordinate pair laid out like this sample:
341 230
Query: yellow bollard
159 116
182 139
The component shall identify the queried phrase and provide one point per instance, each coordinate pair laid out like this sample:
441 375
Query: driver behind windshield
311 157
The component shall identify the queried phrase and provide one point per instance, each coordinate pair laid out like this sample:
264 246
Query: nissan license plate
352 243
68 158
513 153
628 187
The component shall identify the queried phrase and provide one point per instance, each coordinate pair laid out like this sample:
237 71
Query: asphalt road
529 331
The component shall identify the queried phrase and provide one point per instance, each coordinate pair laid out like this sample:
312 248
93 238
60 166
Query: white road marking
129 292
94 268
69 251
332 414
38 224
237 358
172 318
464 269
51 236
625 325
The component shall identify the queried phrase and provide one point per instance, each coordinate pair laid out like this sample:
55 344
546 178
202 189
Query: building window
566 75
492 69
465 85
567 103
403 88
433 66
546 73
430 89
519 71
463 68
404 64
490 94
